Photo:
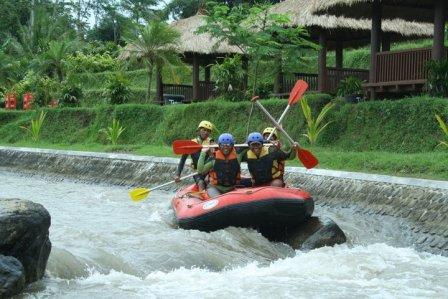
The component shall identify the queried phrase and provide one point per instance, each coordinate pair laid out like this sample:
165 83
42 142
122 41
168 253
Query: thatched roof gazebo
432 11
199 50
336 32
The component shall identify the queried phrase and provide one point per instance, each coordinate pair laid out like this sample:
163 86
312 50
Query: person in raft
280 165
263 161
224 168
204 130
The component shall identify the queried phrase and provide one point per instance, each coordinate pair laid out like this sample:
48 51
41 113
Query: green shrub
35 127
80 63
113 132
444 127
117 89
437 84
71 95
350 86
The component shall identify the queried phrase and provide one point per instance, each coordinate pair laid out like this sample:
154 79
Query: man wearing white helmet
204 130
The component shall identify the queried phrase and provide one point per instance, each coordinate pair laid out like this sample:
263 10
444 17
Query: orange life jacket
226 169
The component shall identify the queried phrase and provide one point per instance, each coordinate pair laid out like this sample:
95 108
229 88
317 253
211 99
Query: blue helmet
226 138
255 137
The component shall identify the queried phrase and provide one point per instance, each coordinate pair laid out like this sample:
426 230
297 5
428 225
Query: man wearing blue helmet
224 167
263 161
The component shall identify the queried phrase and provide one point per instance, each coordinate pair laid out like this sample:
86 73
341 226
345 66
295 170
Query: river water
106 246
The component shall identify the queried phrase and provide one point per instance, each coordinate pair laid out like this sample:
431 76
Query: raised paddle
141 193
188 147
294 96
306 157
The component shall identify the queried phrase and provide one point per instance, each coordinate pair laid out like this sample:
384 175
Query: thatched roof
411 10
352 32
190 42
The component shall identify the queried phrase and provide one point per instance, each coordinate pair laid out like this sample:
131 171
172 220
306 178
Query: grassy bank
417 165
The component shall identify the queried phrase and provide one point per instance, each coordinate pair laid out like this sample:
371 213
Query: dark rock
24 235
316 232
12 276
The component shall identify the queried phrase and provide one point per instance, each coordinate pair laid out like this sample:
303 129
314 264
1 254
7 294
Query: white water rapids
106 246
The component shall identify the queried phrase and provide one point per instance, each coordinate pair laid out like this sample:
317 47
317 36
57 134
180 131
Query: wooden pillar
278 83
195 77
385 44
159 86
322 62
375 38
207 73
339 55
245 66
438 49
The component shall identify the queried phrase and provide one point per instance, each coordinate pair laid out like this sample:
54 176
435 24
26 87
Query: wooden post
385 44
245 66
159 86
195 77
339 55
375 38
207 73
438 49
322 61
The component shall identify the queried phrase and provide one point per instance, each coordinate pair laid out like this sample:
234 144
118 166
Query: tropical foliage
314 125
35 127
154 45
113 132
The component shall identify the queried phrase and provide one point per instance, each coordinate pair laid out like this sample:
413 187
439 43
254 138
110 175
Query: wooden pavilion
336 33
394 71
198 50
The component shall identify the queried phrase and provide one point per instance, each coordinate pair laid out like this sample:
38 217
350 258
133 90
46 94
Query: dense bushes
406 125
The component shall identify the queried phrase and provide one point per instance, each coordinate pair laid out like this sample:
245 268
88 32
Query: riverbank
421 204
431 165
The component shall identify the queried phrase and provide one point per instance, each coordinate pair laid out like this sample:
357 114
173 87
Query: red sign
10 101
27 101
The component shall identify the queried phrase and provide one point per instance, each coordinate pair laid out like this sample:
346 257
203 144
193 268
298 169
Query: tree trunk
148 91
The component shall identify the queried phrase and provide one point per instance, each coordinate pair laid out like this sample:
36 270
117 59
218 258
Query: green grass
417 165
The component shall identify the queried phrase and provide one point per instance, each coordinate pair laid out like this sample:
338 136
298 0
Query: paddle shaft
277 125
279 120
173 181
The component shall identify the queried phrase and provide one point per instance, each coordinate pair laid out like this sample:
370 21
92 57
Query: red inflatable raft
260 208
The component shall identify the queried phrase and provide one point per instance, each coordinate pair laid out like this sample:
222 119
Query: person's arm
180 167
290 154
242 157
204 167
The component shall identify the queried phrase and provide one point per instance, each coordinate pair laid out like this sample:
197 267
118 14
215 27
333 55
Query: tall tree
259 34
140 9
154 45
181 9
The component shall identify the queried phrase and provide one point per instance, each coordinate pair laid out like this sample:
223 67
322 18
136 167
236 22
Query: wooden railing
290 80
334 76
206 90
406 65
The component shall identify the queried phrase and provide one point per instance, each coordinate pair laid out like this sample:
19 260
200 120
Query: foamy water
106 246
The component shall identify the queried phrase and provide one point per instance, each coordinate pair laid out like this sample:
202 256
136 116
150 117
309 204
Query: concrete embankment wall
422 204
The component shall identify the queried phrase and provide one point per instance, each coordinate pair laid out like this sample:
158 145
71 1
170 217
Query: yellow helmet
206 125
269 130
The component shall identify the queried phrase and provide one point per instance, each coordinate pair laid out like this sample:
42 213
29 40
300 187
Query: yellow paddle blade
138 194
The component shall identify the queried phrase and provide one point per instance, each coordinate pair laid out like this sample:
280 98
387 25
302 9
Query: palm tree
155 45
52 59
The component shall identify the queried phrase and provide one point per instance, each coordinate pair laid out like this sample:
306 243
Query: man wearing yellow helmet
204 130
279 165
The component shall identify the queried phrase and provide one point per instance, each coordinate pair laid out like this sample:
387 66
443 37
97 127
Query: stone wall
422 203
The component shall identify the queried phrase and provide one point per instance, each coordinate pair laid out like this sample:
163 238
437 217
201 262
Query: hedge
403 126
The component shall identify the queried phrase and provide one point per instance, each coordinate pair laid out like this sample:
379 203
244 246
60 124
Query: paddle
187 147
294 96
141 193
306 157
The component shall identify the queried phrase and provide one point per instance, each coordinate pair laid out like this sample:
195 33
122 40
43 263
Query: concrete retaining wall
422 203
